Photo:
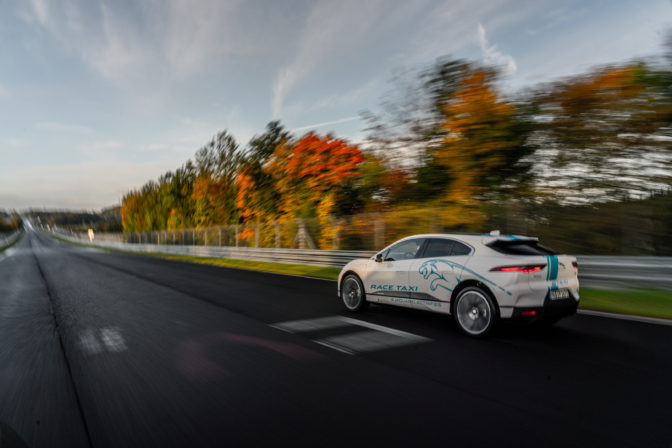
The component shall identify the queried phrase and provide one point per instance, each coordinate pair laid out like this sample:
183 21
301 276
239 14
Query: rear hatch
558 273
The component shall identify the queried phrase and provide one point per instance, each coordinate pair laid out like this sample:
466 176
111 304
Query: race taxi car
476 278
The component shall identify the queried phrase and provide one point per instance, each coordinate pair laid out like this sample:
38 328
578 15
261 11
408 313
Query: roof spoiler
499 237
513 238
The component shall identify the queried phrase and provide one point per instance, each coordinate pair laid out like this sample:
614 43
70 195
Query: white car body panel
428 283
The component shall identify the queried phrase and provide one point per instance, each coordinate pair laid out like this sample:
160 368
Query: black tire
475 312
352 293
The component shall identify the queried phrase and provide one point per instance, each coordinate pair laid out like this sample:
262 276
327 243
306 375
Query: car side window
460 249
438 247
405 250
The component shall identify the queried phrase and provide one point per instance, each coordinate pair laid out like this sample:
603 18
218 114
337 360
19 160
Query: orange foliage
322 163
477 132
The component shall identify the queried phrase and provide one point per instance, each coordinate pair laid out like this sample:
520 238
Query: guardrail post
236 234
220 237
256 234
302 236
205 237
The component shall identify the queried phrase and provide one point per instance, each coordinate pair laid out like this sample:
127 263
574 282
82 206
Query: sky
97 97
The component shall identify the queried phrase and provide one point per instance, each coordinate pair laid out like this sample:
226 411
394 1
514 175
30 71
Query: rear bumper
551 309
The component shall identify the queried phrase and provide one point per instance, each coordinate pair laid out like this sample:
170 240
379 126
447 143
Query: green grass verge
649 303
2 249
280 268
640 302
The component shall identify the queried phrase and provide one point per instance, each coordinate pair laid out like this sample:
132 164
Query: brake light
529 313
524 268
575 264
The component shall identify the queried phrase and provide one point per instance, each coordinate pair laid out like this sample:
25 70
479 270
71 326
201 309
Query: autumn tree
257 195
462 137
214 193
483 143
605 135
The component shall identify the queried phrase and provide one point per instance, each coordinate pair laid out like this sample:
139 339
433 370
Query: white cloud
63 127
326 123
347 98
493 56
198 32
151 38
332 30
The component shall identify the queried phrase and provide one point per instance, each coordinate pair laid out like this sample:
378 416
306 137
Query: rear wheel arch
472 282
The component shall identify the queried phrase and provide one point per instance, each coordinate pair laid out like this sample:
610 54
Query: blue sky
97 97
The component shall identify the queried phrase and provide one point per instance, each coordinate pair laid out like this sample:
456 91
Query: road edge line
630 317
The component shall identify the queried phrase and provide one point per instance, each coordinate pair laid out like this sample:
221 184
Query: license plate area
559 294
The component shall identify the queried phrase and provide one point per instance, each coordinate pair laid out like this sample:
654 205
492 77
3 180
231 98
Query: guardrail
313 257
607 272
8 238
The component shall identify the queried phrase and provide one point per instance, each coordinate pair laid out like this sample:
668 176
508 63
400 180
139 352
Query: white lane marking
322 323
113 339
89 342
377 337
362 323
648 320
372 340
335 347
110 339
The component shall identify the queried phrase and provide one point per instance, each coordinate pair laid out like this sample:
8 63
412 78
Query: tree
606 134
466 140
214 193
312 169
484 144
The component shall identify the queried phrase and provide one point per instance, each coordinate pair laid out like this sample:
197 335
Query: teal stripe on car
554 267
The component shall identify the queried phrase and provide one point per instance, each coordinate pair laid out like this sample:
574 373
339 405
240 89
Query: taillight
575 264
524 268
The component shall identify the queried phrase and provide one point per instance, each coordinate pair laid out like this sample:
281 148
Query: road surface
106 349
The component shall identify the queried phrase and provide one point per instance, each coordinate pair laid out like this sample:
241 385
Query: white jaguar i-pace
477 278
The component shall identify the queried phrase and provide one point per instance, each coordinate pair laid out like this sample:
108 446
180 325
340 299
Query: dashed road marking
322 323
377 337
94 342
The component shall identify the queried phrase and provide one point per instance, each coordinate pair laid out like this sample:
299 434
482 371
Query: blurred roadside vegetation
585 163
9 221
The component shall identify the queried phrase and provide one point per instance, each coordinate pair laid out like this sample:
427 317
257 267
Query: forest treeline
105 220
447 139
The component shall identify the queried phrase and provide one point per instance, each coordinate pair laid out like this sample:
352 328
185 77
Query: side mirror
379 258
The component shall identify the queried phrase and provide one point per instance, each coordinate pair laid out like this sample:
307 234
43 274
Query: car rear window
442 247
520 248
438 248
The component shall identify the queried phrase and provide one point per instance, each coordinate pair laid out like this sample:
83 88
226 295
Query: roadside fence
602 272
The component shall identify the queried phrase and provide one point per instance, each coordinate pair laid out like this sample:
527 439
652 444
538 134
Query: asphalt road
105 349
